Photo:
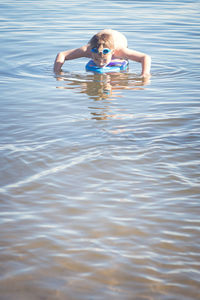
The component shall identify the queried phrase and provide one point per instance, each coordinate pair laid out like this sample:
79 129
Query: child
104 46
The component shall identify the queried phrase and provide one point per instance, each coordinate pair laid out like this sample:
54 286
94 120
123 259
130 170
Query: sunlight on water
99 182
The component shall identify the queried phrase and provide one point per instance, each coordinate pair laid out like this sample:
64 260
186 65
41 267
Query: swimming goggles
105 50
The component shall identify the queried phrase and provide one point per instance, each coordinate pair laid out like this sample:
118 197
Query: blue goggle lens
105 50
94 50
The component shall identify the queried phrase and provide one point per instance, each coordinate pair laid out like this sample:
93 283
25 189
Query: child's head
102 47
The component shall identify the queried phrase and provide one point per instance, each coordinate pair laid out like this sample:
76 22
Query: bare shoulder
121 52
85 50
131 54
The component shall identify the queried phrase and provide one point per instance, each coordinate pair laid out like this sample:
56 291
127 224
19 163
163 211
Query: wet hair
104 39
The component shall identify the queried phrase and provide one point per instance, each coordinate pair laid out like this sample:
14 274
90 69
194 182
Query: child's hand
57 67
145 78
146 75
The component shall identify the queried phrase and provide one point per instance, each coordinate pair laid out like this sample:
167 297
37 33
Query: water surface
99 182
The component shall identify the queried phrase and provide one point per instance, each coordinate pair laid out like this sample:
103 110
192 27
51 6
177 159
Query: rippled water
99 173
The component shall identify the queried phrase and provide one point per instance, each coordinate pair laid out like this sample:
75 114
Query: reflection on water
99 174
102 86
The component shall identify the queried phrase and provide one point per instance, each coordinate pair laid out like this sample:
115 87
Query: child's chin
101 65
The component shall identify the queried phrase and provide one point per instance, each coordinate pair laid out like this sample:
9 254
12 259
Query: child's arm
144 59
68 55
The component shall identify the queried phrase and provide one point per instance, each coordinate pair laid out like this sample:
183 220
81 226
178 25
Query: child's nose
100 50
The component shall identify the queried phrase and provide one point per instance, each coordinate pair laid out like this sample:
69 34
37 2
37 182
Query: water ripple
99 174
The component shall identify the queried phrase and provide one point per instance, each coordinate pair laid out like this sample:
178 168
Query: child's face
102 56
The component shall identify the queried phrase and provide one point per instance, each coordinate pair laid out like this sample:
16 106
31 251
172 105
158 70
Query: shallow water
99 173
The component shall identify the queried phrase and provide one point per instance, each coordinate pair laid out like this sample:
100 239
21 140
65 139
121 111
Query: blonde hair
104 39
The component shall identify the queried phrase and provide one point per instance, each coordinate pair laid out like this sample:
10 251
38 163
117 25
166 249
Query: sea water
100 174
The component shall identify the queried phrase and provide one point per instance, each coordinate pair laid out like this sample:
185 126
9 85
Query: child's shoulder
86 50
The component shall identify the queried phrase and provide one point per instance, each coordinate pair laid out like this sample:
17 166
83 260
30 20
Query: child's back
119 39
